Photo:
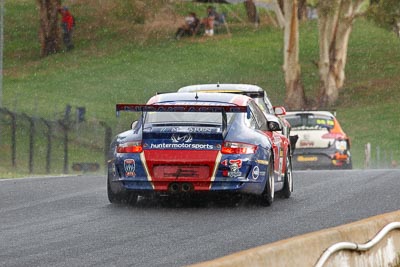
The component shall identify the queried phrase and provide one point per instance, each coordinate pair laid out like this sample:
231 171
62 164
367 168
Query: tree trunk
49 31
279 14
251 11
295 97
302 10
335 24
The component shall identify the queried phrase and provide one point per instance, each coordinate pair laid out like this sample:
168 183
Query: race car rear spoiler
180 108
185 108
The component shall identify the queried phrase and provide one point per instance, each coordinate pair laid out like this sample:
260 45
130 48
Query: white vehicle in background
322 143
274 113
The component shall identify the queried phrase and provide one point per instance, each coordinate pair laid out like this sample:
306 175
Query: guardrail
356 247
311 248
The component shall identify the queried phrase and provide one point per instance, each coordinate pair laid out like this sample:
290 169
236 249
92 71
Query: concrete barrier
305 250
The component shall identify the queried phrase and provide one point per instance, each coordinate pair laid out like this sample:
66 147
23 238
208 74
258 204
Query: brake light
238 148
130 147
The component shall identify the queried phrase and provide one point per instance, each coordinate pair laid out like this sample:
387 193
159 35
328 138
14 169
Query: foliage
386 13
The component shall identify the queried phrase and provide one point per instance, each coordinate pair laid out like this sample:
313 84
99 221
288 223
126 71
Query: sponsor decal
234 168
263 162
237 162
256 172
307 158
182 146
306 143
129 165
182 107
177 138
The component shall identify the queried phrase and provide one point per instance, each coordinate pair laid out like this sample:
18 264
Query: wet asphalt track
68 221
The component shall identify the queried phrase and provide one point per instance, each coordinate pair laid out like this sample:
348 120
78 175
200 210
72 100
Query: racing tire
288 178
267 196
114 198
349 165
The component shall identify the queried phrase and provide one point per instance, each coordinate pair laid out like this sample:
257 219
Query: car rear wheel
267 196
288 179
113 197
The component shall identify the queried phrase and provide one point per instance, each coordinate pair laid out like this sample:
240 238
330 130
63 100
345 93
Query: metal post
13 118
367 163
107 141
48 153
31 140
65 128
378 157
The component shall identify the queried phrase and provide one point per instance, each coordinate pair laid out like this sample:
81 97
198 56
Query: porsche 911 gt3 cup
189 143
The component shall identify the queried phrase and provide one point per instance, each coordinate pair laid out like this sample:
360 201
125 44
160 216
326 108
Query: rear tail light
238 148
130 147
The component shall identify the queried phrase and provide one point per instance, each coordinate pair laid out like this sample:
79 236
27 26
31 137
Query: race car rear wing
185 108
180 108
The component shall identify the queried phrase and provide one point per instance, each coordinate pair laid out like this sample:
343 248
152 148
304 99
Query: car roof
228 98
223 87
314 112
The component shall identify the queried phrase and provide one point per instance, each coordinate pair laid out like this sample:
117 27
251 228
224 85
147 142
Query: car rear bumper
187 187
320 159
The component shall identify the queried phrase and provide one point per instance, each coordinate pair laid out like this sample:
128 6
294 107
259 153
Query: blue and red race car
197 143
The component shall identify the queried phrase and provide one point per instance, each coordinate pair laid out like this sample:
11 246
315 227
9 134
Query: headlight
341 145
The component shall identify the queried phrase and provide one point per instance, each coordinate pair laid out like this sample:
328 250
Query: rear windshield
186 118
310 121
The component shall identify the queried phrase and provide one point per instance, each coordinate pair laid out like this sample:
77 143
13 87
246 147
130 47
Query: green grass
116 67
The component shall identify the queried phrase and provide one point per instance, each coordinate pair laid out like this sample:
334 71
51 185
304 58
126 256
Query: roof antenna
196 97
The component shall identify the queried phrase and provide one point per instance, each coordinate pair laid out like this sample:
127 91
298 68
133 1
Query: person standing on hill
208 21
67 25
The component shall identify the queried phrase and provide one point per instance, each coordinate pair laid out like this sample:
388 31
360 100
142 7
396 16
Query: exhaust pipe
174 187
186 187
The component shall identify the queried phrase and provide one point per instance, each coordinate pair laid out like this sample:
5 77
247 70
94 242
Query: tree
49 30
295 97
251 11
385 13
302 9
335 20
278 9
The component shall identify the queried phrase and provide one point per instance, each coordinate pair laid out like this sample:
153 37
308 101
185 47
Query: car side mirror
274 126
133 125
279 110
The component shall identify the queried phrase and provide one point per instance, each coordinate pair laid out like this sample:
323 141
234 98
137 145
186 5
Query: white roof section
222 86
315 112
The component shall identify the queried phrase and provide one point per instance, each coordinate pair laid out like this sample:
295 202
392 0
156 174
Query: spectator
190 27
67 25
208 21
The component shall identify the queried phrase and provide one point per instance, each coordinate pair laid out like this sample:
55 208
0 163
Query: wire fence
36 145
